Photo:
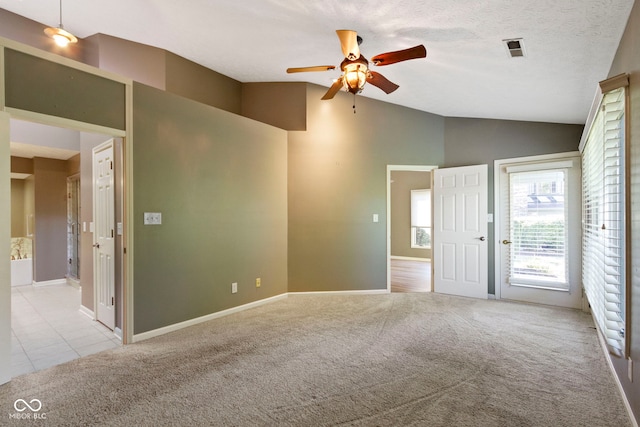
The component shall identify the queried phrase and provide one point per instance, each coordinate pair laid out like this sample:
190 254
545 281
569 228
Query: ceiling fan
355 67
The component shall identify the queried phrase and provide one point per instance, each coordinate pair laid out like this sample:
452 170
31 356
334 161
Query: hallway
48 329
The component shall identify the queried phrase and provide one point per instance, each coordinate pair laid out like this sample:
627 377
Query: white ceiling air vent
515 47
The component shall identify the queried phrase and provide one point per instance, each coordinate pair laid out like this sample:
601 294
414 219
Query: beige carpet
320 360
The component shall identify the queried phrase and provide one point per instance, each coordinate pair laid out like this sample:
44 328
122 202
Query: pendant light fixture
61 37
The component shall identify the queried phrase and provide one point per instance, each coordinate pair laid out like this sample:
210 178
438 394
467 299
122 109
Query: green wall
41 86
337 181
220 182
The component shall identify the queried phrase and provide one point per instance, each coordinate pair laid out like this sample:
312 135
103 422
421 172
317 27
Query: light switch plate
152 218
375 217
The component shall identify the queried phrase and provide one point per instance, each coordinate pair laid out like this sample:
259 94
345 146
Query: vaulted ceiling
568 44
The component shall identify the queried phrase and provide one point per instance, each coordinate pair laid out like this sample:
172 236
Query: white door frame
406 168
497 225
5 253
5 114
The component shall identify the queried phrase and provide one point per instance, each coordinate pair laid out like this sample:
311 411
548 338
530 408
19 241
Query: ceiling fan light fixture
59 34
355 74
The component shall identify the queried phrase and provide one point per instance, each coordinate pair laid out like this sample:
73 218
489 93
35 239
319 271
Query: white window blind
603 265
420 219
421 208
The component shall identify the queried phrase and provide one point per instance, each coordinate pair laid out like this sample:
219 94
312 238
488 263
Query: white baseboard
73 282
89 313
607 356
164 330
410 258
365 292
51 282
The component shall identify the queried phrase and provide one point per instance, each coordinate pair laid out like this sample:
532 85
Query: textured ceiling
569 45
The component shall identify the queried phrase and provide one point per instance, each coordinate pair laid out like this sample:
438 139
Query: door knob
482 238
97 245
506 242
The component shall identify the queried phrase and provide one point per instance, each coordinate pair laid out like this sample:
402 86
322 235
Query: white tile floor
48 329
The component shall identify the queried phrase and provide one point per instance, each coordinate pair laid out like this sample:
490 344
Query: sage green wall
337 181
482 141
41 86
402 182
627 60
220 182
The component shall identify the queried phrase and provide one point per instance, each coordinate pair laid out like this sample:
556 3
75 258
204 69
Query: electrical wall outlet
234 287
258 282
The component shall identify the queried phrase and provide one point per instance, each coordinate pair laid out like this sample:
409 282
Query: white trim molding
363 292
50 282
89 313
410 258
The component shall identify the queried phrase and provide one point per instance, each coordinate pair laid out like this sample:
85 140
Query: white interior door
460 247
104 233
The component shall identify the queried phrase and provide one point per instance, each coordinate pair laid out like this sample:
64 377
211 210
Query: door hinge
111 165
112 233
124 251
113 301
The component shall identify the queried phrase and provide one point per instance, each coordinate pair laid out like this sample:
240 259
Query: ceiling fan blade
400 55
335 88
381 82
349 43
314 68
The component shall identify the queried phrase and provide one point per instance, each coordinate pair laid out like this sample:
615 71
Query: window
603 218
538 229
421 219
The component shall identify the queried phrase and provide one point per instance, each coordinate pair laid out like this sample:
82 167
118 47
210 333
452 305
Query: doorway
409 265
73 229
538 229
61 316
